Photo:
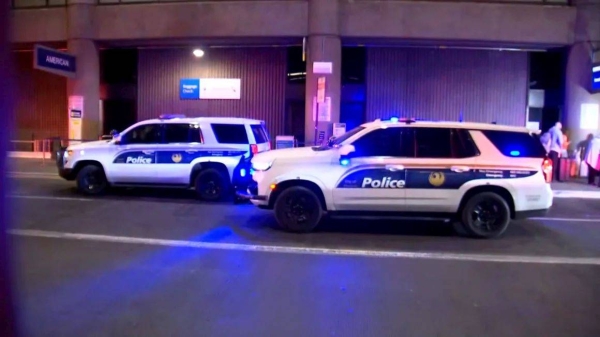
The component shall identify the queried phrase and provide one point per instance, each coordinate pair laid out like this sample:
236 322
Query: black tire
298 209
91 180
211 185
485 215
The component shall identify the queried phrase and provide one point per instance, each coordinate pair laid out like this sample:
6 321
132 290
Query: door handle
394 167
460 169
147 152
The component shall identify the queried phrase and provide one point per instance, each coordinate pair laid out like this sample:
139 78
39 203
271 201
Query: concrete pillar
579 70
323 45
87 80
577 85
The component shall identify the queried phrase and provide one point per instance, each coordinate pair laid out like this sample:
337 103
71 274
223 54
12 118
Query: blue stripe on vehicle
424 178
171 156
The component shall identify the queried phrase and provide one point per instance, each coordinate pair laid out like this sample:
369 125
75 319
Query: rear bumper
242 177
536 213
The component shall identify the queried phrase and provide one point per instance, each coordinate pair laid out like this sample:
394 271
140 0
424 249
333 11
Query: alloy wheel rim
487 216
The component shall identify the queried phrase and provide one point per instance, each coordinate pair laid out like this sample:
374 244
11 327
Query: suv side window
444 143
433 143
144 134
388 142
230 133
182 133
516 144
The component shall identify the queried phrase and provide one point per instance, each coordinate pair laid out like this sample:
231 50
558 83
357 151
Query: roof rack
171 116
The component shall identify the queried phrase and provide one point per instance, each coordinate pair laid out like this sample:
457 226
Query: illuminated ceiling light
198 52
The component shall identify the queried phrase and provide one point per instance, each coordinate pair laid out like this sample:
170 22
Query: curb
576 194
33 175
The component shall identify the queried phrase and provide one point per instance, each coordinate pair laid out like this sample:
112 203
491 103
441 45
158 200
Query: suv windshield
335 142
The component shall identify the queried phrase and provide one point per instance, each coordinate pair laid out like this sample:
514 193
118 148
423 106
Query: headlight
261 166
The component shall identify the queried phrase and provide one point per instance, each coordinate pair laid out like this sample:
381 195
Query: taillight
254 148
547 169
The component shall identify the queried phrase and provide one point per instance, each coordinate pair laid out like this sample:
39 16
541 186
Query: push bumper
65 173
251 193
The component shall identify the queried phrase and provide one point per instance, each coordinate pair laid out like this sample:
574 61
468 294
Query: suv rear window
516 144
260 134
230 133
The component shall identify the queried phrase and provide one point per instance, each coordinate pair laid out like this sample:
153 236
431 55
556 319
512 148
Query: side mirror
117 139
346 149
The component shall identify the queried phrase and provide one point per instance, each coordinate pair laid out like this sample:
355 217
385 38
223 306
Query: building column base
326 49
83 91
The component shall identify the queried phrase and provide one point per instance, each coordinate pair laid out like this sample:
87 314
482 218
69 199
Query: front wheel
91 180
298 209
485 215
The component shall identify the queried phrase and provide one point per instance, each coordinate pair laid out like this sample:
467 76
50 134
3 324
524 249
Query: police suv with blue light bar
211 155
480 176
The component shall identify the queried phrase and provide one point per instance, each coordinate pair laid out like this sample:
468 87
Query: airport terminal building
289 62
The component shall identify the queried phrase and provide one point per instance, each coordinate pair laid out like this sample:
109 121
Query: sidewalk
576 184
28 165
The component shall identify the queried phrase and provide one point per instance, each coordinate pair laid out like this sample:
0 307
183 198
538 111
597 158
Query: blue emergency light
171 116
596 78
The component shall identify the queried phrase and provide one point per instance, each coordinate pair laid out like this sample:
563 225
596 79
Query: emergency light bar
168 116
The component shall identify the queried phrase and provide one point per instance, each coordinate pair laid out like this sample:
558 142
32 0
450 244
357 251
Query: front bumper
251 193
65 173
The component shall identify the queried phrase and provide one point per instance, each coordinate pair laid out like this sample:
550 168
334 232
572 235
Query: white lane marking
567 219
577 194
310 250
42 197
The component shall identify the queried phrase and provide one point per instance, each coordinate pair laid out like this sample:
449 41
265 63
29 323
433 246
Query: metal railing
30 4
44 147
25 4
528 2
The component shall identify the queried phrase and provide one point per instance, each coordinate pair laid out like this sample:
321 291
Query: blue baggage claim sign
54 61
189 88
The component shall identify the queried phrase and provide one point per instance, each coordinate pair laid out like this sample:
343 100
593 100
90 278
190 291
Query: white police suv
211 155
479 175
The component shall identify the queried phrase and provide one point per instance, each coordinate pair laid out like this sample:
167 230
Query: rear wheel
485 215
298 209
211 185
91 180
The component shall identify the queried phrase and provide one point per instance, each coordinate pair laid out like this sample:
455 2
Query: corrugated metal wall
262 71
440 83
41 102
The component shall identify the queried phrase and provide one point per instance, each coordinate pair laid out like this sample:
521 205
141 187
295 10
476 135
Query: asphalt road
159 263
